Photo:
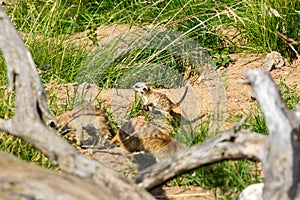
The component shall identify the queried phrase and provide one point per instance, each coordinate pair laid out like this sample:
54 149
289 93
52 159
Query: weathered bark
21 180
32 112
281 167
227 146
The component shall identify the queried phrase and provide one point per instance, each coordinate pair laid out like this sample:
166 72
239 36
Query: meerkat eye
145 89
52 124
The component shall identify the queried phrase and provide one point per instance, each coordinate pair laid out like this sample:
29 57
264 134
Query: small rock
252 192
274 60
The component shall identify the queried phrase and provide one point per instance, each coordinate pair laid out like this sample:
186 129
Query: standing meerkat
156 100
84 118
139 135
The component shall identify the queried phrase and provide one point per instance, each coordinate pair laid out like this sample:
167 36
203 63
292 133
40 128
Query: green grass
230 177
290 93
47 27
265 19
12 144
23 150
44 28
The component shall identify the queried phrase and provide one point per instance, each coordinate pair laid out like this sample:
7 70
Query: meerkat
83 118
139 135
156 100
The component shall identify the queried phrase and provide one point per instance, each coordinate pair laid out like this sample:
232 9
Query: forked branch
32 112
227 146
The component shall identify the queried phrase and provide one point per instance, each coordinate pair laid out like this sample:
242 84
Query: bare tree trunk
32 112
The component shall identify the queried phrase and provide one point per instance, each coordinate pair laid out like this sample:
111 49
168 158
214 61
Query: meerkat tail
182 98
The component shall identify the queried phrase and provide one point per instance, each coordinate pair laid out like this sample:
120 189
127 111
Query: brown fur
139 135
159 100
86 117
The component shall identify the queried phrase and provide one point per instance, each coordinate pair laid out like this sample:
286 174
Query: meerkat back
161 101
88 118
140 135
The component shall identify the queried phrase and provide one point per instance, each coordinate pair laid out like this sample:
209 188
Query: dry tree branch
282 164
32 112
21 180
227 146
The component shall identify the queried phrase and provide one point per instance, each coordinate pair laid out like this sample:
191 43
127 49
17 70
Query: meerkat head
141 87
